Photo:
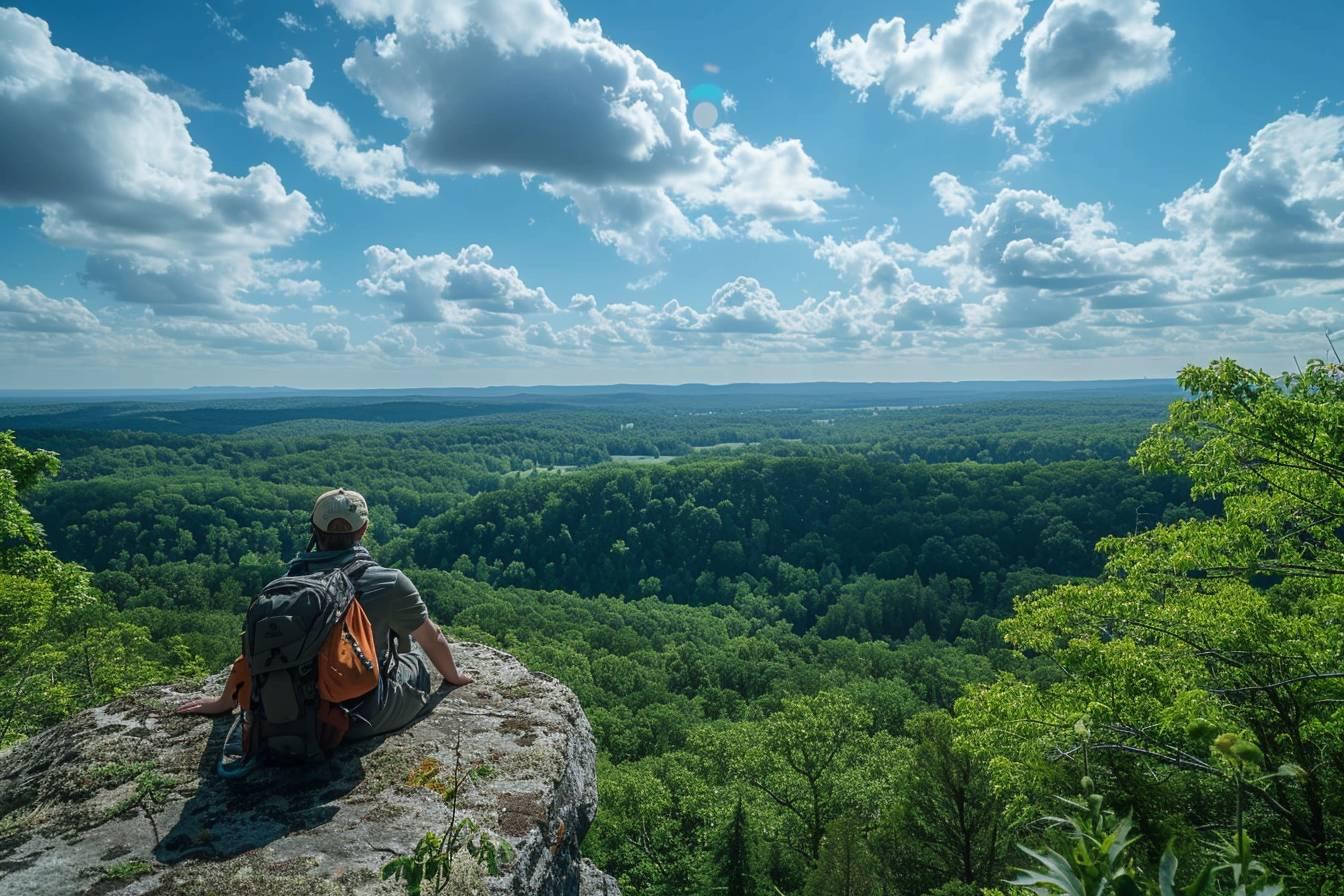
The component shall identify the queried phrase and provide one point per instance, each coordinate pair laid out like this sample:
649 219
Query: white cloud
1036 262
635 221
1274 215
223 25
1269 228
500 86
761 231
329 310
293 22
776 182
948 71
254 337
885 294
1088 52
27 309
277 102
331 338
304 289
209 288
396 343
1081 53
954 197
742 306
648 281
463 289
1026 274
112 169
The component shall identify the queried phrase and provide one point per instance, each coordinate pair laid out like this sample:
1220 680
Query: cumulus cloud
300 289
947 71
635 221
396 343
1081 53
1036 261
954 197
1269 228
1251 259
885 293
208 289
331 338
112 169
1087 52
277 102
27 309
776 182
464 289
1274 213
499 86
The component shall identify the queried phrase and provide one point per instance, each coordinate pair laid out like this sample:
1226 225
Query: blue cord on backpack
233 770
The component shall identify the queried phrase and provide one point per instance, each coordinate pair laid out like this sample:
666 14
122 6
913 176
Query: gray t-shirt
390 600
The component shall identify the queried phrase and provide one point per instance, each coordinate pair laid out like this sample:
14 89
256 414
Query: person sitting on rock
394 607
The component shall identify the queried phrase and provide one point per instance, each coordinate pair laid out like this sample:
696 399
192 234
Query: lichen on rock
124 799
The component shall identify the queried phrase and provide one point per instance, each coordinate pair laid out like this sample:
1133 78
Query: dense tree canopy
823 650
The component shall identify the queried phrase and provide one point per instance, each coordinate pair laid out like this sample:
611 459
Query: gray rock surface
124 798
593 881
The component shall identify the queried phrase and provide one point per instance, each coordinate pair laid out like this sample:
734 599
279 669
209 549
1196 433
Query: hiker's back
310 658
394 609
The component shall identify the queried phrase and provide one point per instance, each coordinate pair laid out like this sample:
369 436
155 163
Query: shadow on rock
227 817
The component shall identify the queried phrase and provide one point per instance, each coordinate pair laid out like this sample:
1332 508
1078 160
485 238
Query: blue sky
417 193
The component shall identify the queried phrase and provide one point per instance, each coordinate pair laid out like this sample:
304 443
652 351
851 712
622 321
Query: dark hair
335 541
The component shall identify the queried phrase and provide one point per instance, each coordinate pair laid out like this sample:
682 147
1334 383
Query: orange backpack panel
347 664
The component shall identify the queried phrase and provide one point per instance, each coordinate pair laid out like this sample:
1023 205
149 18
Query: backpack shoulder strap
356 568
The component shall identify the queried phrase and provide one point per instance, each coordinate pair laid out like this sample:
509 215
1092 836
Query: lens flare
706 105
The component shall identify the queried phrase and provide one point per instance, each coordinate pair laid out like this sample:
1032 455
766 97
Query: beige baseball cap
340 510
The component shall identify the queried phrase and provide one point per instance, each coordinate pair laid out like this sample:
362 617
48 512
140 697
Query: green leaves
1100 861
62 645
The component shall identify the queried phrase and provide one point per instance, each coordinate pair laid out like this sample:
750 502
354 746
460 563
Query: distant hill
225 409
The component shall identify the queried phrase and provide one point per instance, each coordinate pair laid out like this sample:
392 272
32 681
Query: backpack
309 658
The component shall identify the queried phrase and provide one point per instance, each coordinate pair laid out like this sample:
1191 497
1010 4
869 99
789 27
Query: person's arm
225 702
435 645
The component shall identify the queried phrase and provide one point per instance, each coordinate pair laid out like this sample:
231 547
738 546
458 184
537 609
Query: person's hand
205 706
457 680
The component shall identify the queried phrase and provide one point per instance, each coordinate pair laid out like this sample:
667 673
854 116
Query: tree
735 860
62 644
1228 623
947 823
811 759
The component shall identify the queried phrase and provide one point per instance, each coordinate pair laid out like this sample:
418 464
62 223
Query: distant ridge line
810 388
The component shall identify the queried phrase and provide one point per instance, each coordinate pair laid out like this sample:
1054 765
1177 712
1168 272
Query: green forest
827 644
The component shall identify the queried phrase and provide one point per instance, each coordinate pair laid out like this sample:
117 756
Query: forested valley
828 644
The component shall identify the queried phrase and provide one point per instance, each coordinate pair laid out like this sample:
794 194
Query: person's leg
405 694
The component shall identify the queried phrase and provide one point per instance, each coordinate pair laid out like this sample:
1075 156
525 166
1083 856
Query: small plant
129 869
429 869
151 791
1099 861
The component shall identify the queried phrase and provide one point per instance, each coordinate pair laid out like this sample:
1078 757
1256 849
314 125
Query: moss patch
388 767
249 876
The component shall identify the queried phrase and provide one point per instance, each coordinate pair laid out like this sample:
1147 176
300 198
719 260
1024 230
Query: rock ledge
124 799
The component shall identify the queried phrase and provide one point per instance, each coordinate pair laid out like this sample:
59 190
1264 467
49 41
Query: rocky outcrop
124 798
